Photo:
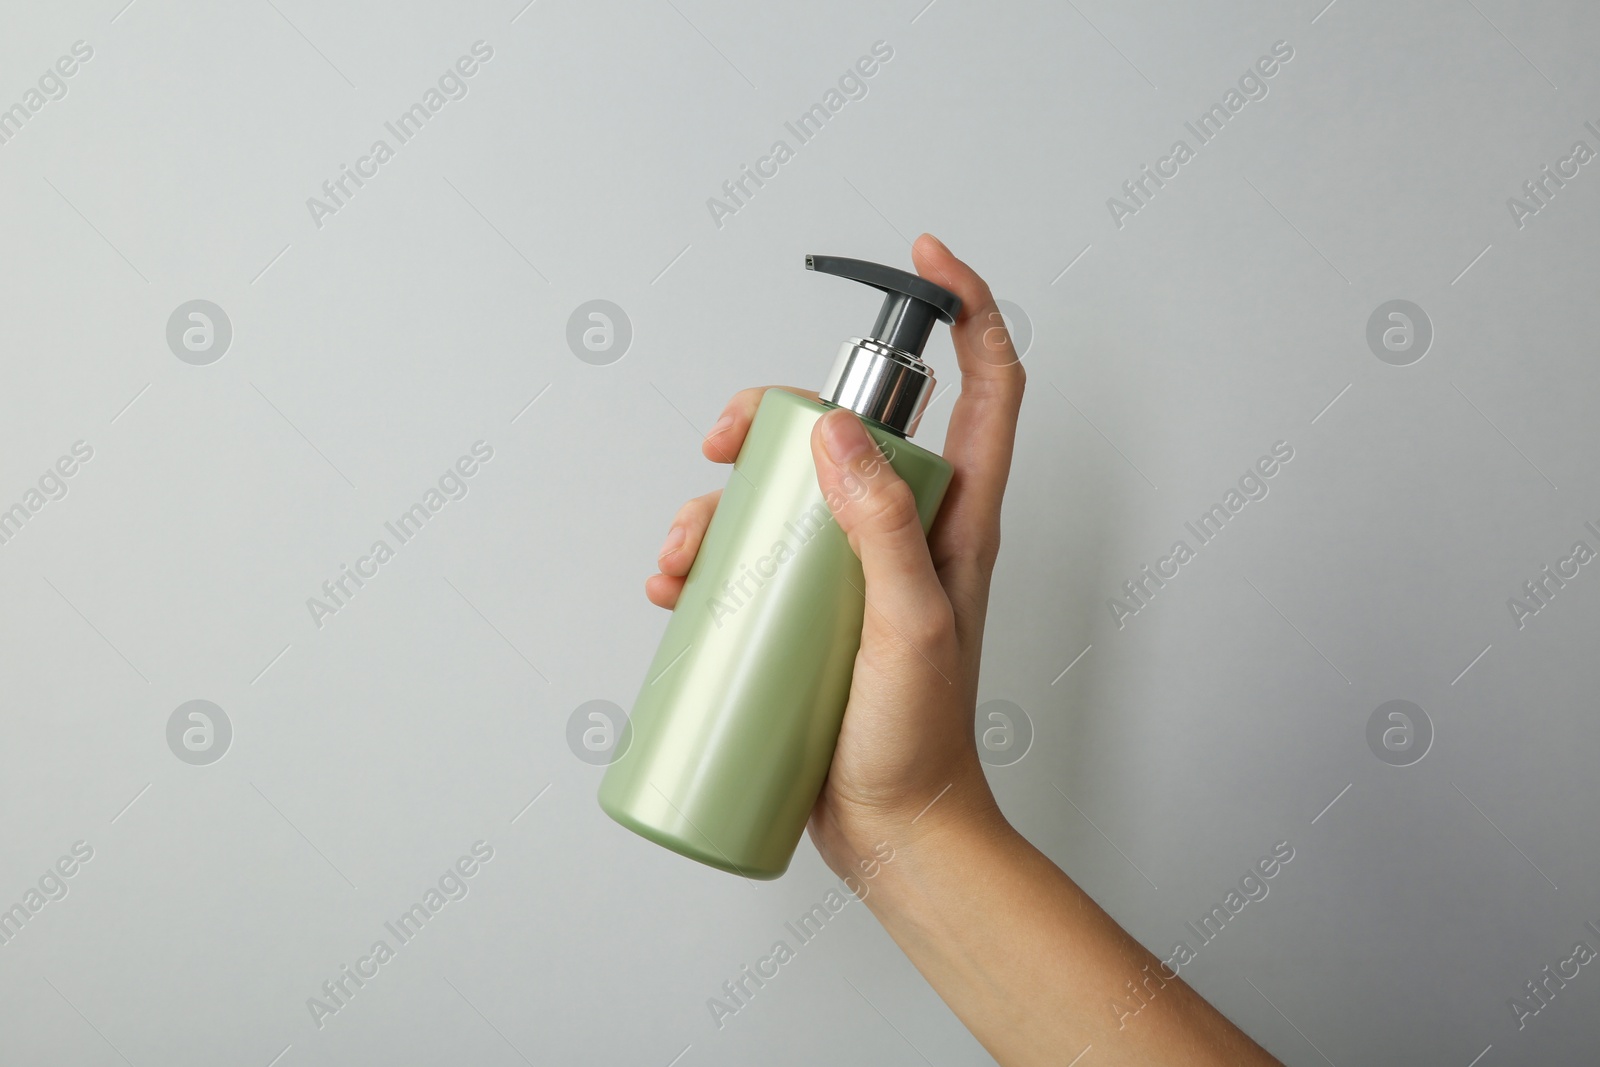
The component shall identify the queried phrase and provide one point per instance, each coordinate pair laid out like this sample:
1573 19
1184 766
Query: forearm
1029 963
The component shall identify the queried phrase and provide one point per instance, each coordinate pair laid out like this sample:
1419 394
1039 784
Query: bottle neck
880 382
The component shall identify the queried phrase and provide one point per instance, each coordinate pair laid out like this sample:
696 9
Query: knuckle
985 302
932 626
979 551
896 506
696 513
747 399
995 346
687 512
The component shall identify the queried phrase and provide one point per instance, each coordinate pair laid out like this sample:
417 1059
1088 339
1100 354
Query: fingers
663 591
878 513
983 423
683 538
727 436
680 548
721 445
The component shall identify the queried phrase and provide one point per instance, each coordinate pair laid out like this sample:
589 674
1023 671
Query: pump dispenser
733 732
882 377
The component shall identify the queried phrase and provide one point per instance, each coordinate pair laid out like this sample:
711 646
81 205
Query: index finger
983 423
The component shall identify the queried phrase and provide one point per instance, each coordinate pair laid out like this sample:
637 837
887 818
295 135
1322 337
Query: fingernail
722 424
844 437
674 540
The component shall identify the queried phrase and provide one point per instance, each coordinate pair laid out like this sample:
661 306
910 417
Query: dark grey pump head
910 304
882 376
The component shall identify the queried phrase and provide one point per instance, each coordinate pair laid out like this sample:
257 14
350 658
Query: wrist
887 856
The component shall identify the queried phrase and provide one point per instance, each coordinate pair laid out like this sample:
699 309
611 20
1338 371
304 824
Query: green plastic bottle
736 721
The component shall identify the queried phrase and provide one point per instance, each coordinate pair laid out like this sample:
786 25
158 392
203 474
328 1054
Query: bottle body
735 725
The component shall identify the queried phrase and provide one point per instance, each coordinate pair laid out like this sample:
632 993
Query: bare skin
1028 962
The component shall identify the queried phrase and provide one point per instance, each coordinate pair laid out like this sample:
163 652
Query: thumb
878 514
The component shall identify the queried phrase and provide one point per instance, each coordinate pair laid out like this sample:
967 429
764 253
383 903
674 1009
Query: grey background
369 354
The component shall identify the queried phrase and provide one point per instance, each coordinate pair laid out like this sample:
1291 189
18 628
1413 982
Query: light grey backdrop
1172 346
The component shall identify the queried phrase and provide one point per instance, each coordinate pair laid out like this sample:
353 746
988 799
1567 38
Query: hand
907 738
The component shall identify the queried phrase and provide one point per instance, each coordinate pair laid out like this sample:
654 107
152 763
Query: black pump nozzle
910 306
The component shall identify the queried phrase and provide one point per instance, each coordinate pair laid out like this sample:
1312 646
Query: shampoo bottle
735 725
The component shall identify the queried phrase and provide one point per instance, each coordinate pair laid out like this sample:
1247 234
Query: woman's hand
907 738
